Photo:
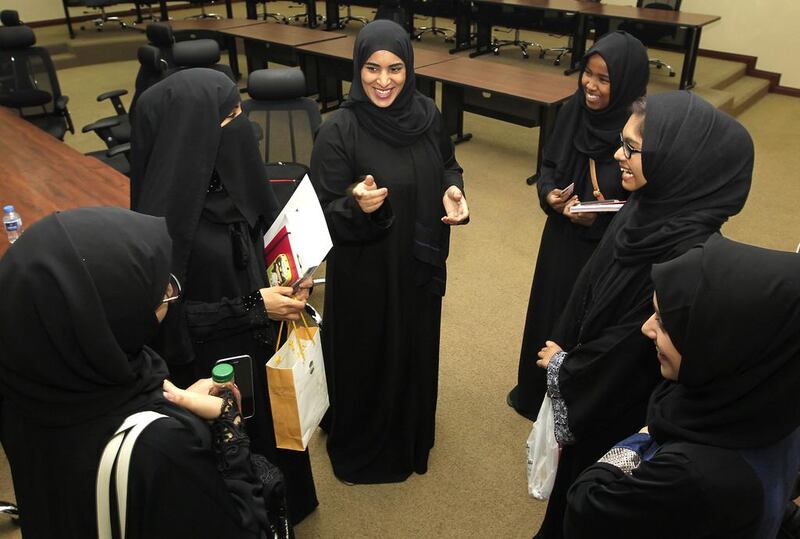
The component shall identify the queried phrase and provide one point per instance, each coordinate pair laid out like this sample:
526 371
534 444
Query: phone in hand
243 376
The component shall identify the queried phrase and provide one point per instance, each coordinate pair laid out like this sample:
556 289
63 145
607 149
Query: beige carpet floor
476 483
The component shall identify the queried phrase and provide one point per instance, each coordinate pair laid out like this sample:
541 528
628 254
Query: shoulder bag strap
595 186
118 451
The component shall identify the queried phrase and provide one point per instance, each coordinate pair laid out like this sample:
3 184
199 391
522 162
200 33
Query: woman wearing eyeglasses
689 167
581 153
722 445
83 293
195 161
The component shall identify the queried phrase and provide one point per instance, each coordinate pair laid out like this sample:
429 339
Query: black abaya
385 276
217 227
80 293
581 133
698 165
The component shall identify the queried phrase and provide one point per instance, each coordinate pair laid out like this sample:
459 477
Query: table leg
229 8
548 122
463 27
252 10
162 7
427 87
69 20
233 57
332 14
453 113
483 39
311 10
578 44
690 58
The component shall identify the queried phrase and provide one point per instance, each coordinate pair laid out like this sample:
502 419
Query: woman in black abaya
82 294
195 161
615 73
723 446
390 186
690 167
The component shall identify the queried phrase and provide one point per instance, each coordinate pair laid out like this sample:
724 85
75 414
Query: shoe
511 400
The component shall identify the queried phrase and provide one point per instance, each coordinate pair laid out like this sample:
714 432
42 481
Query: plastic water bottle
12 222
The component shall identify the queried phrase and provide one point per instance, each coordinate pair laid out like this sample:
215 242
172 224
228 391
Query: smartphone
567 191
243 376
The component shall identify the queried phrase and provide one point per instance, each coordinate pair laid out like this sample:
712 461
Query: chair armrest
61 103
112 93
120 148
105 123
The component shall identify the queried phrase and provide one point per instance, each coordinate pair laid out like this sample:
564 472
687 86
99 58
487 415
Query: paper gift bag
298 391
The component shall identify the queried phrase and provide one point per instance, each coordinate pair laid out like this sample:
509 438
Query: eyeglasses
173 292
627 149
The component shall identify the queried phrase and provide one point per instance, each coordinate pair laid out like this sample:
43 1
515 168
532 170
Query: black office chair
349 17
560 24
116 130
100 22
28 82
9 17
160 35
434 9
199 53
267 14
203 14
653 34
287 123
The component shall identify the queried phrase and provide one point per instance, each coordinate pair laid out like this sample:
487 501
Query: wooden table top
663 16
283 34
40 174
551 5
211 24
342 49
540 87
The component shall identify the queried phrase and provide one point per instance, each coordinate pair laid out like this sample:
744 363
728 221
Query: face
237 110
596 83
668 355
383 76
631 167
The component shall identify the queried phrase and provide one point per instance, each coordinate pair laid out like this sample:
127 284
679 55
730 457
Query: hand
455 205
546 354
303 289
195 399
582 218
368 196
280 304
556 201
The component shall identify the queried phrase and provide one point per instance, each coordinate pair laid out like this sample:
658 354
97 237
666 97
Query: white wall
768 29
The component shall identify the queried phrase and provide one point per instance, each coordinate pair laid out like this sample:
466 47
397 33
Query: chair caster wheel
556 62
672 74
525 55
496 52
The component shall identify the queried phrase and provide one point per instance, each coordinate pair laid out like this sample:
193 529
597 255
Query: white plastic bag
542 453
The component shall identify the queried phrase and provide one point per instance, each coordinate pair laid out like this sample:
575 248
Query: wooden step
746 91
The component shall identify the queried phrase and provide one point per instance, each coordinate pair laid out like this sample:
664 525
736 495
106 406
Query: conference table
162 5
508 93
583 11
40 174
196 28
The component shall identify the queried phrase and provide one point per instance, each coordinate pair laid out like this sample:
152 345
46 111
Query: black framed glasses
173 292
627 149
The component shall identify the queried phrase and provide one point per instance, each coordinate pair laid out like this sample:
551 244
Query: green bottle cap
222 373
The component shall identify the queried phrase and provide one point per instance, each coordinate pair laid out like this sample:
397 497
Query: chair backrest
28 80
152 68
9 17
200 53
159 34
673 5
287 119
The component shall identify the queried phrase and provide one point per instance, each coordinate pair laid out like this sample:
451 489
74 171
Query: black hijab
733 312
80 290
595 133
411 114
698 163
177 144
